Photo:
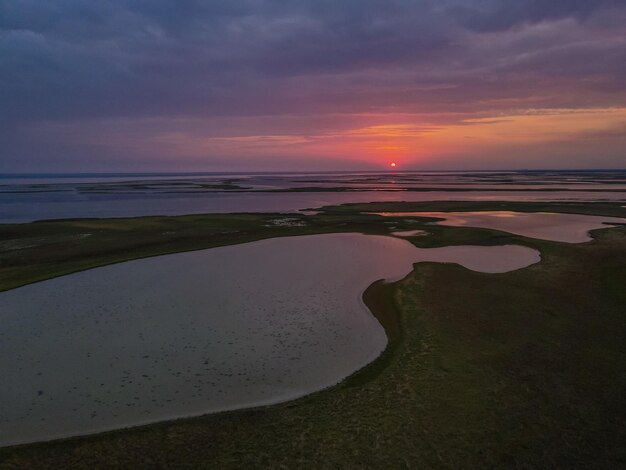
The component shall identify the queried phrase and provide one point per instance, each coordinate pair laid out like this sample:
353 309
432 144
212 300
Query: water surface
569 228
25 198
193 333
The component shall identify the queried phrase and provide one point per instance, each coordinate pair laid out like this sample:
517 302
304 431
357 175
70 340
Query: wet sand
409 233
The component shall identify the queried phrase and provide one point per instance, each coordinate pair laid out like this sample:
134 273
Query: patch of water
569 228
193 333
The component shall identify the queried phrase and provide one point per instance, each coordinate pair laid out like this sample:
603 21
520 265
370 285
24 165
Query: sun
392 164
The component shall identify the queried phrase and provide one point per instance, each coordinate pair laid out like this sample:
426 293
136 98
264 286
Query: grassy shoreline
37 251
517 370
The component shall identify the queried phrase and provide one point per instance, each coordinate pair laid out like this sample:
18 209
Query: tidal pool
569 228
199 332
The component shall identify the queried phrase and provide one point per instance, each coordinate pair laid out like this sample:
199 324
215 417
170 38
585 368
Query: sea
45 196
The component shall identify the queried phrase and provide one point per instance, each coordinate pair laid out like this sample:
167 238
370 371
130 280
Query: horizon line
258 172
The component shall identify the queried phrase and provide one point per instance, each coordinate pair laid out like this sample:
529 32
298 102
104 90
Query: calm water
569 228
192 333
24 198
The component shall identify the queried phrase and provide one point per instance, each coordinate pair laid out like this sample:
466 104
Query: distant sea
27 197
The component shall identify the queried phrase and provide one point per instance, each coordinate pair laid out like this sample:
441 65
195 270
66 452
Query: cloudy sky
190 85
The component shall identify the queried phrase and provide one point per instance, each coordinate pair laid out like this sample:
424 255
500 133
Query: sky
278 85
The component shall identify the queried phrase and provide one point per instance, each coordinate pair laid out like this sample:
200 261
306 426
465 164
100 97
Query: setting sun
392 164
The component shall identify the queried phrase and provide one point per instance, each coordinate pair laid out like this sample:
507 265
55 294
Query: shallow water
25 198
193 333
569 228
15 208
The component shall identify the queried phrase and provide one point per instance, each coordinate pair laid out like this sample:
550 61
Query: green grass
41 250
516 370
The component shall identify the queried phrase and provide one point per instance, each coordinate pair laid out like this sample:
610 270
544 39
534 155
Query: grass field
516 370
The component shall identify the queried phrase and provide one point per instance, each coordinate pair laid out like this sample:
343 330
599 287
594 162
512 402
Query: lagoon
200 332
559 227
